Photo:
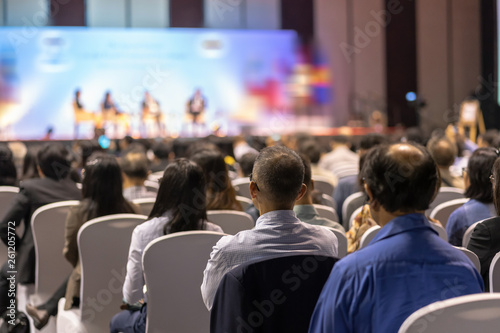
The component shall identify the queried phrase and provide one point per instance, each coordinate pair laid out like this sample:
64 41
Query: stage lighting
104 142
411 96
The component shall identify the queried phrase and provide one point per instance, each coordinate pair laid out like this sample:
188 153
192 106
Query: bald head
279 173
443 151
401 177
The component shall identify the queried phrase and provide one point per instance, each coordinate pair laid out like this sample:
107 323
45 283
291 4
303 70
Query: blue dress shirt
404 268
463 217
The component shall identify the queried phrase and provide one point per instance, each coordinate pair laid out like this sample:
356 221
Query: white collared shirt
276 234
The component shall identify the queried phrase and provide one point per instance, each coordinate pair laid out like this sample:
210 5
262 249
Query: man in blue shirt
406 266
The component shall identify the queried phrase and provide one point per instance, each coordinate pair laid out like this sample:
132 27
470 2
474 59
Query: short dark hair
279 171
161 150
496 185
135 165
442 150
246 163
8 172
405 181
490 137
342 139
311 149
54 160
371 140
479 170
307 170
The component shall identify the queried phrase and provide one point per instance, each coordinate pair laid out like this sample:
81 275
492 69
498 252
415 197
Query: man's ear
302 192
374 204
253 190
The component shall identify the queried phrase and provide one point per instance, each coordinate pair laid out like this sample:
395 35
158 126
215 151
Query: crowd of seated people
398 182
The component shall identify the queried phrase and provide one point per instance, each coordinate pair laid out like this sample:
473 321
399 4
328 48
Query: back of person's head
54 161
200 146
414 135
8 172
488 139
442 150
495 179
102 186
30 164
87 148
341 140
307 170
135 165
246 163
311 149
401 177
478 172
182 194
161 150
279 173
371 140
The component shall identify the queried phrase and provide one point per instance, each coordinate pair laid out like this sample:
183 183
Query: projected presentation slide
144 82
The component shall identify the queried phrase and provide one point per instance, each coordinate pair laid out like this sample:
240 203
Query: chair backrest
145 204
472 256
323 185
368 236
440 230
151 186
244 201
342 241
353 216
51 268
231 221
495 274
351 203
327 212
173 281
241 186
468 234
445 194
7 194
471 313
155 176
443 211
283 301
327 200
103 245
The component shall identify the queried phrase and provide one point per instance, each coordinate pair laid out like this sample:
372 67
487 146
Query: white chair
231 221
173 281
368 236
327 212
51 268
152 186
7 195
445 194
443 211
440 230
327 200
468 234
472 257
353 216
471 313
155 176
241 186
145 204
342 249
323 185
244 201
351 203
103 245
495 274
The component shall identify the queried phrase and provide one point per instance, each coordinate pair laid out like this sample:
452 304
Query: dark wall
67 13
401 57
298 15
187 13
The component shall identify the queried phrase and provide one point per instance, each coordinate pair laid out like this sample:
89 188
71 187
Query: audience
311 149
30 165
53 185
102 195
488 139
276 184
341 161
485 239
220 193
182 180
479 191
406 266
134 167
246 164
444 153
8 172
304 208
161 156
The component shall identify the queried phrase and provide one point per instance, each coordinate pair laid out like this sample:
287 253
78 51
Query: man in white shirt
276 183
341 161
135 171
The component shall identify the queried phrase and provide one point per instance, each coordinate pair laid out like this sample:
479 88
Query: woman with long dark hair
179 206
8 172
102 195
220 193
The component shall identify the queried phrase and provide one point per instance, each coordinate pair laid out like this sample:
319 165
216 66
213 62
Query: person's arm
480 243
217 266
17 211
134 280
453 228
73 224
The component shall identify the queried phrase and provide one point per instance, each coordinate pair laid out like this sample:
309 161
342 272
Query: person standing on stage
151 110
195 108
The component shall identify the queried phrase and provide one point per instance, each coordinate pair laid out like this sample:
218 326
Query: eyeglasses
251 180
